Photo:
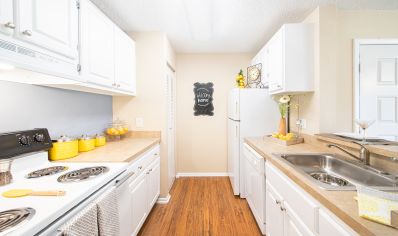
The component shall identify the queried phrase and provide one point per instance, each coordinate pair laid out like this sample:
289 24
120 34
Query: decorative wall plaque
203 99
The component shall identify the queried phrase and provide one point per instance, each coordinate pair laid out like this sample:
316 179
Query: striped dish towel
83 224
108 215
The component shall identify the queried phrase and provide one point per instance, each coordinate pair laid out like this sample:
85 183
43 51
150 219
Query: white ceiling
219 26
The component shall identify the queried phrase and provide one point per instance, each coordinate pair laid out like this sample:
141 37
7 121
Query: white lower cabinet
255 185
293 212
138 194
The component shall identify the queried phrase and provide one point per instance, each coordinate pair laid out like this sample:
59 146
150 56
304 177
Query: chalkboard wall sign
203 99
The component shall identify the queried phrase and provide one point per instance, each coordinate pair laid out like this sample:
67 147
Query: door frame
356 70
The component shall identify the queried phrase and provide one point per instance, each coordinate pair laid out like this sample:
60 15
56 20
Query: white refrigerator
251 113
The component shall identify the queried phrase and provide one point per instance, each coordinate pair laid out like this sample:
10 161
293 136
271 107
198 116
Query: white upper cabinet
7 24
52 25
262 58
288 60
107 53
125 78
97 45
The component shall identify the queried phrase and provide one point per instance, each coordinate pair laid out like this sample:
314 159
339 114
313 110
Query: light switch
139 122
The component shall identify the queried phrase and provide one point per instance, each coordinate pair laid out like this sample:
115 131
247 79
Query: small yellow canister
63 148
100 140
86 143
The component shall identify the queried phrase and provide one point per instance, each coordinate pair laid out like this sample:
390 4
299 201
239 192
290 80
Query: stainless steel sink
332 172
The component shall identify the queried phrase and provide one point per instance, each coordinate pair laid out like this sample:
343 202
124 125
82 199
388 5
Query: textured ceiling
220 25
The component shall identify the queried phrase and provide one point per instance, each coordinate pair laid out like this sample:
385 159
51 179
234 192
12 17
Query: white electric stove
41 215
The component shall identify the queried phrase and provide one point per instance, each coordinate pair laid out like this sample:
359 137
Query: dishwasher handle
119 182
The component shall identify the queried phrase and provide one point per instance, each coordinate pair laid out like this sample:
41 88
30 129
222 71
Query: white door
275 63
378 86
125 208
7 24
154 182
97 37
233 104
139 199
233 155
125 77
53 25
274 216
171 134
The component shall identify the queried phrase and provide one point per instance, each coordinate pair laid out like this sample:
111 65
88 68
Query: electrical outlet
139 122
302 123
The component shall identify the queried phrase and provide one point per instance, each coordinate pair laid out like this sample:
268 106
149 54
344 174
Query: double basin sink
332 172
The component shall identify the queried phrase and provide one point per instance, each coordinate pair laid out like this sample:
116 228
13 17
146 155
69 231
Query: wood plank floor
201 206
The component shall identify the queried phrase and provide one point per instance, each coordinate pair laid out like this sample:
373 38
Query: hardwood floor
201 206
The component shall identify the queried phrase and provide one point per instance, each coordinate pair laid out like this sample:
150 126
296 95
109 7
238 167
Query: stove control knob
39 138
24 140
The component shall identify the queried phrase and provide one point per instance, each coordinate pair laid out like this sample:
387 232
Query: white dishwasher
255 184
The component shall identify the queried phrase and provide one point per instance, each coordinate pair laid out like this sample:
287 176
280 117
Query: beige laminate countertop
341 203
125 150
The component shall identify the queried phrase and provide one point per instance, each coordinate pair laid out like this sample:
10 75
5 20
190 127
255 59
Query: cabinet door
154 183
275 50
330 227
274 216
125 208
97 37
50 24
7 24
139 200
124 62
294 226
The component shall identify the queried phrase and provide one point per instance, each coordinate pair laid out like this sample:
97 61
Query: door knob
9 25
27 33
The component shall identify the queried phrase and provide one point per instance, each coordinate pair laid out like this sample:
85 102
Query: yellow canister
64 148
86 143
100 140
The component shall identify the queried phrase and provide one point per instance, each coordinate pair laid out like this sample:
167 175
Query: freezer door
233 154
233 104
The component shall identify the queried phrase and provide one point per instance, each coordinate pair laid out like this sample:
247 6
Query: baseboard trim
201 174
164 200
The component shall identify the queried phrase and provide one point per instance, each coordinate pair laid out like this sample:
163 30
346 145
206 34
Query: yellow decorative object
376 205
240 80
64 148
100 140
86 143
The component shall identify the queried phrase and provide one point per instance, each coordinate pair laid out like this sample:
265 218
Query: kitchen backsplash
61 111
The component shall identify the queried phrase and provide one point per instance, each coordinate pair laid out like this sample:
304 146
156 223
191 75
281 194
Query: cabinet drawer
299 202
141 163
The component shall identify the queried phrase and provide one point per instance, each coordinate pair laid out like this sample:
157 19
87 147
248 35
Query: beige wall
152 52
202 140
330 107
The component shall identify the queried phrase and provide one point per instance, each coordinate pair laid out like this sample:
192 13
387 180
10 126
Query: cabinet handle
140 167
150 170
277 202
27 33
147 173
283 209
9 25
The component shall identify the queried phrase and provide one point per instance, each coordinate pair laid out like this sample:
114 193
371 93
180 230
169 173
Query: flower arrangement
283 104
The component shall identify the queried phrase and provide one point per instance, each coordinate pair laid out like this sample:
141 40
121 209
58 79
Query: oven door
114 185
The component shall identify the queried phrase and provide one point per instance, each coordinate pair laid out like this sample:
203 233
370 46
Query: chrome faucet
364 154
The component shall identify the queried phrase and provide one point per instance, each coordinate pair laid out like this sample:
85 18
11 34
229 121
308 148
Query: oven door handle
119 182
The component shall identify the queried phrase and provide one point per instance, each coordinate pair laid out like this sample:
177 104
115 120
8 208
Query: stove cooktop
46 171
11 219
82 174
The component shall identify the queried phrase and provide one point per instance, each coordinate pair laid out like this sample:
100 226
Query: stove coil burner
46 171
82 174
10 219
